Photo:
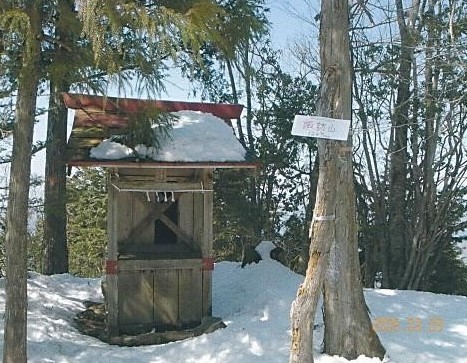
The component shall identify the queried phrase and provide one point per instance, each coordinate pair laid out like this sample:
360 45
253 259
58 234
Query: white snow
195 136
111 150
254 302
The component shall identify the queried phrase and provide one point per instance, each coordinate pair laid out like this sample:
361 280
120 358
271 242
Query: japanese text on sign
321 127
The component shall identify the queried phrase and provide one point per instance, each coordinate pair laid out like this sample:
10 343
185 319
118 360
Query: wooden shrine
160 215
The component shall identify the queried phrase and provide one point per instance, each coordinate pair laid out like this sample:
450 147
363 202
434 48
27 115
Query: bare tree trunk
241 135
398 237
15 348
375 242
333 232
423 240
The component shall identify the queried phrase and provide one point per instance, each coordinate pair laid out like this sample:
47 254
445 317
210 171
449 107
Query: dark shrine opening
162 233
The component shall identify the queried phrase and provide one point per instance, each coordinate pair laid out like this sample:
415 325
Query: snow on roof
195 136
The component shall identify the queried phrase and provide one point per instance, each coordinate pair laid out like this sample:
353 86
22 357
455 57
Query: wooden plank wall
190 285
145 229
164 298
135 314
123 209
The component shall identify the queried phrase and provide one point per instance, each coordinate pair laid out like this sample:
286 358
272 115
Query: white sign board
321 127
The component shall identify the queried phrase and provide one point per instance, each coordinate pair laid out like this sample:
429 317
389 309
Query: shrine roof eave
163 165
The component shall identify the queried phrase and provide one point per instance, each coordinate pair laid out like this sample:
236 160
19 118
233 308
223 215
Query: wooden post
111 264
207 242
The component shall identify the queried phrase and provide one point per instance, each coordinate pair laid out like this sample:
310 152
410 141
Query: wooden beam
176 229
150 265
156 212
151 186
86 162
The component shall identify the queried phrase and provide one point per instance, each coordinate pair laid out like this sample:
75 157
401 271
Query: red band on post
111 267
208 263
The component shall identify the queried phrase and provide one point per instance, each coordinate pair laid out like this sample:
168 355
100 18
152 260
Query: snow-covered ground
254 303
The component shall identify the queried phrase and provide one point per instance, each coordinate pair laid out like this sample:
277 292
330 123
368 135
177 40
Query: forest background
409 124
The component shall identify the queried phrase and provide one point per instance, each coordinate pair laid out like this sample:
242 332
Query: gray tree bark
15 348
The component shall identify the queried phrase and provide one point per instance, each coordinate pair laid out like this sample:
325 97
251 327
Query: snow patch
254 302
264 249
110 150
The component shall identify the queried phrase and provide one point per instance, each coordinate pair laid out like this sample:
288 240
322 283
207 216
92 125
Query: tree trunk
15 349
333 231
398 238
374 243
321 233
347 325
424 238
55 242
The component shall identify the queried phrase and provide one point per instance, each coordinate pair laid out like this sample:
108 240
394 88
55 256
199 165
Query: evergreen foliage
87 216
287 161
149 126
87 45
235 215
450 273
165 27
86 225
